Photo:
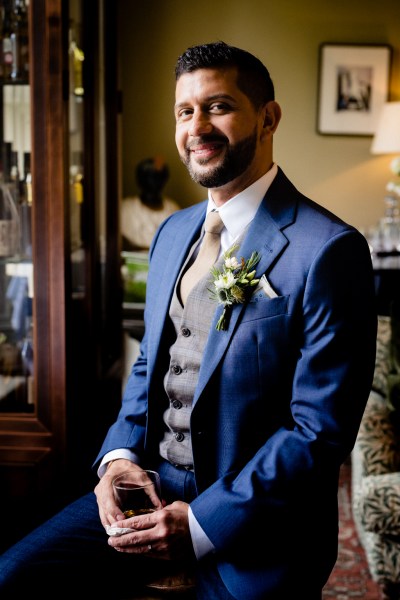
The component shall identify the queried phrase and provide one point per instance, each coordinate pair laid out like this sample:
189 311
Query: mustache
206 139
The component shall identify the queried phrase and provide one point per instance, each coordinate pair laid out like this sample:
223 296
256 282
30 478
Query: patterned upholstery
377 438
379 503
376 476
382 362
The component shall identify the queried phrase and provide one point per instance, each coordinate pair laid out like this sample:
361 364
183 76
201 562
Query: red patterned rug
350 577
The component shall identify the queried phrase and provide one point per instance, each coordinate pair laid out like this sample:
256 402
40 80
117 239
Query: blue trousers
69 554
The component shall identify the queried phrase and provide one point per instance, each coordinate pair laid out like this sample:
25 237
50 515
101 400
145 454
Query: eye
183 114
220 108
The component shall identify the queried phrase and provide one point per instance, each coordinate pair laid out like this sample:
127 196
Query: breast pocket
263 307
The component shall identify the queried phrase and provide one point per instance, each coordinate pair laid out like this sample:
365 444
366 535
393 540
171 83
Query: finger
109 516
142 522
115 517
109 511
154 497
131 544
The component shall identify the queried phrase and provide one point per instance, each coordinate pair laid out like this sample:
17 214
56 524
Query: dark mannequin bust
151 175
141 215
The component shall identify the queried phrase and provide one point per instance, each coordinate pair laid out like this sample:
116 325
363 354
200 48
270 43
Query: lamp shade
387 135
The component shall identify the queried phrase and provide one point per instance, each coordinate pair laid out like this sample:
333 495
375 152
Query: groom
247 421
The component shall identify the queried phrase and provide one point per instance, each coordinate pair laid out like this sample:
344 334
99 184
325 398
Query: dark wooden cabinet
46 453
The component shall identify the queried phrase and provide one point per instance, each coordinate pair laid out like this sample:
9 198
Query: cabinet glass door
16 268
76 105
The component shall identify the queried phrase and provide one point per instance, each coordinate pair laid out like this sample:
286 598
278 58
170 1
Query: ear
272 115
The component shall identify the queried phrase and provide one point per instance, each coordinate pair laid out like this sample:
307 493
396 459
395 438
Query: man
246 397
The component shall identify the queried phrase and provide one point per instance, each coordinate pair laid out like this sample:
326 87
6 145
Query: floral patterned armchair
376 466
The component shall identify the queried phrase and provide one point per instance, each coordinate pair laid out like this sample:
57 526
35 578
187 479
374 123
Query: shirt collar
240 210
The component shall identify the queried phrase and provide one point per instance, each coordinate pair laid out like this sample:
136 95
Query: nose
200 123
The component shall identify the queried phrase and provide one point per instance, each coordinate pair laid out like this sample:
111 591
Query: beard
237 159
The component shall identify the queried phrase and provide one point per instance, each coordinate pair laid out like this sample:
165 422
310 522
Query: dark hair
253 77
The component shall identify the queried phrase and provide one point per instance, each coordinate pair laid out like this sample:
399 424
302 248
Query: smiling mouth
205 150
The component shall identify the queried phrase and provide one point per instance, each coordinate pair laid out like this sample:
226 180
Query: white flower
225 281
231 263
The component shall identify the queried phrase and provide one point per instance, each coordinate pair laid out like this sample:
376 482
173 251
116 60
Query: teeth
200 150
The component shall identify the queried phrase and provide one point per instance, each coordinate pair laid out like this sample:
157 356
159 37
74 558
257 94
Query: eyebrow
210 99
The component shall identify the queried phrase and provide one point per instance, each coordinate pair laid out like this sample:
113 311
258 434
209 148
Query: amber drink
137 492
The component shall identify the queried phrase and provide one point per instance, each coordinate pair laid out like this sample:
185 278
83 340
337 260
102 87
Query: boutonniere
233 283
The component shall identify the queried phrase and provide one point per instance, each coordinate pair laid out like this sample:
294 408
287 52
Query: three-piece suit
279 396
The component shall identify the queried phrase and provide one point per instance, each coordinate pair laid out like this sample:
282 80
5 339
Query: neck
222 194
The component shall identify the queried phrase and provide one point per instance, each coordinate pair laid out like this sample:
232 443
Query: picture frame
353 86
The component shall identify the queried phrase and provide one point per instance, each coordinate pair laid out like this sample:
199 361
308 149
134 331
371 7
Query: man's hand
163 534
109 511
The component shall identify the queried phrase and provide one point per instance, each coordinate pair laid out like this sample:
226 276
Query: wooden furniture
53 435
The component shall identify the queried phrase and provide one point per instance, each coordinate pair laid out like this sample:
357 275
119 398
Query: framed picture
353 86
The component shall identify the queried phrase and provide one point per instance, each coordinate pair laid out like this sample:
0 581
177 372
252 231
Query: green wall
337 171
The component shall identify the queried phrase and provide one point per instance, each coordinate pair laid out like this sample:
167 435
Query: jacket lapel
180 242
265 235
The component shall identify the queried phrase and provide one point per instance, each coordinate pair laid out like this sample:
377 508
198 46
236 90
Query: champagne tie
207 256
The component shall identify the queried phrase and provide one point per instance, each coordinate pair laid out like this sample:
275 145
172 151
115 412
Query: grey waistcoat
192 325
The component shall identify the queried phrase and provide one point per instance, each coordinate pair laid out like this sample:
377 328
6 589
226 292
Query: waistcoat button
179 437
177 404
185 332
176 369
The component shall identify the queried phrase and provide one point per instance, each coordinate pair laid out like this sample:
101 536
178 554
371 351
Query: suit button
176 369
179 437
177 404
185 332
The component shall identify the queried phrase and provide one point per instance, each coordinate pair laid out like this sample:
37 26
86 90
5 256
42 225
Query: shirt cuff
201 543
113 455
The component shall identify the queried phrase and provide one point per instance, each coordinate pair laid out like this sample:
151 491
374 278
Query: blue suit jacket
280 394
